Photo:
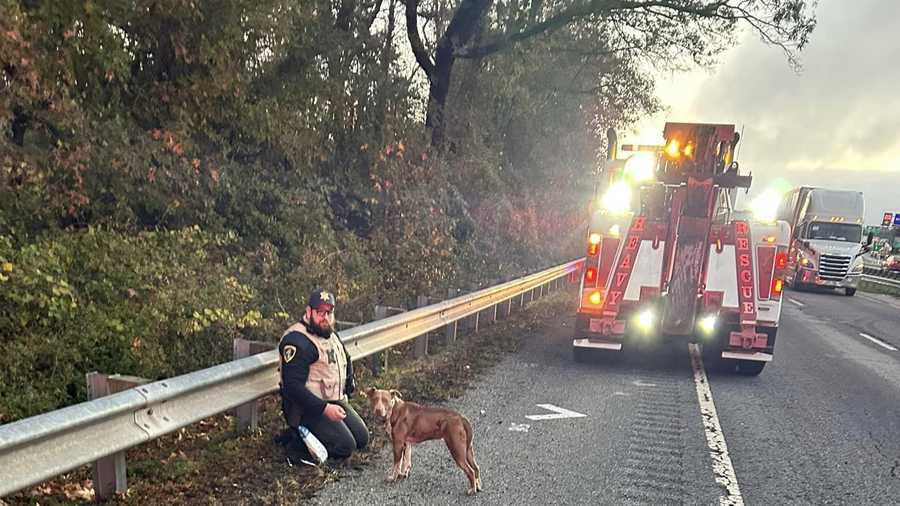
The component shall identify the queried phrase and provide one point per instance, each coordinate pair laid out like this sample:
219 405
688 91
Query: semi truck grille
833 267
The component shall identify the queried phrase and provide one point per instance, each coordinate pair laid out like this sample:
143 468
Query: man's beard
318 330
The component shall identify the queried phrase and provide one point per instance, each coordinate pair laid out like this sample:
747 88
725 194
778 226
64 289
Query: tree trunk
438 91
466 23
387 56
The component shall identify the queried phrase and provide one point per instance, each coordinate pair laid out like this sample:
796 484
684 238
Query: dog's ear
370 391
396 394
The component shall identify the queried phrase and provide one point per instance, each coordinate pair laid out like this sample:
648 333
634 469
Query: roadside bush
153 304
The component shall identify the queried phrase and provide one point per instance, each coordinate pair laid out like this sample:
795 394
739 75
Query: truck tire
582 355
750 367
849 292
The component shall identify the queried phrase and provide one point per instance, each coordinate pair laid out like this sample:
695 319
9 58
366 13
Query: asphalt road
821 425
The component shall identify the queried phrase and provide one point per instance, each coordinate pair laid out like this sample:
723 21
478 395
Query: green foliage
153 304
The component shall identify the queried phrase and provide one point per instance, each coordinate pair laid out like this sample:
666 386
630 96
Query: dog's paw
390 478
478 484
471 491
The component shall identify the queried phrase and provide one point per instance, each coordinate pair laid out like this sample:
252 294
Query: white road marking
723 470
641 383
559 413
797 302
517 427
879 342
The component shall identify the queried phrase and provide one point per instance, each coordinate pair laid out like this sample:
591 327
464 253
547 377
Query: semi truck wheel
849 292
750 367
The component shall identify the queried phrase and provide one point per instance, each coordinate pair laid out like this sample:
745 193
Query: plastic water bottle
315 447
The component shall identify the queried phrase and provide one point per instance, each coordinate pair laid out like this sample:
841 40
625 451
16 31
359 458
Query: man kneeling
316 379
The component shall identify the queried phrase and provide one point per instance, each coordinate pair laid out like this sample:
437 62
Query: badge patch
290 351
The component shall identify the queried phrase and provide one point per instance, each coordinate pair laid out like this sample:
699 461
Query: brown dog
409 423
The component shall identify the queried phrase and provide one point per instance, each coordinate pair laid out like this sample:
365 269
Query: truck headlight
858 266
617 199
707 324
645 320
805 261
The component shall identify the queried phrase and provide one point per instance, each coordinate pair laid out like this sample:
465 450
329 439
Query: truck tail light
778 276
590 276
594 244
777 287
781 259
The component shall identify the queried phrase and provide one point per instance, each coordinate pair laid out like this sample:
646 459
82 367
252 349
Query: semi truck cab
826 238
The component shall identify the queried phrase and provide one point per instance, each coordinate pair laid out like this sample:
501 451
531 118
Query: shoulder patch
288 353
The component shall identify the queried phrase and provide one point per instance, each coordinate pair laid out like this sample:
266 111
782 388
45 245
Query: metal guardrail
879 280
40 447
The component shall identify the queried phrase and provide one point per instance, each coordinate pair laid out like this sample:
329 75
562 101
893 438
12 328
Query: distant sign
886 221
897 219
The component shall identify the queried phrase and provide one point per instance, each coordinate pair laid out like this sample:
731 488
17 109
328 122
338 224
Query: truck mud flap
597 344
757 356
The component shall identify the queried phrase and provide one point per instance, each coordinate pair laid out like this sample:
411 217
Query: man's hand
334 413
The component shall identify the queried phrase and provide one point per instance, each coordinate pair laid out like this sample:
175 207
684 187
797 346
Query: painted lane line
558 413
879 342
797 302
723 470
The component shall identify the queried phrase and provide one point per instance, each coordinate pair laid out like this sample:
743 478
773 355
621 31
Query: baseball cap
319 298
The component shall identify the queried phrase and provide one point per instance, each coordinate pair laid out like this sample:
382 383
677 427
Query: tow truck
668 258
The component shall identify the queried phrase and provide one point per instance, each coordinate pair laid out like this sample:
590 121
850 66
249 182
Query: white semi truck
826 238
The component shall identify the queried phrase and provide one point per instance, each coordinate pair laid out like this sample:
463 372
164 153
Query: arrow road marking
879 342
559 413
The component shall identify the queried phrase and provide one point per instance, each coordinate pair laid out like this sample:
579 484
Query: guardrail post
453 326
378 361
502 309
247 415
110 472
421 341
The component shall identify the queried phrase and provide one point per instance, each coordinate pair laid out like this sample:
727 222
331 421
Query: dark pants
340 438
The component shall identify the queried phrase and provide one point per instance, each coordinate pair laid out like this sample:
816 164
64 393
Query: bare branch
667 9
415 41
374 14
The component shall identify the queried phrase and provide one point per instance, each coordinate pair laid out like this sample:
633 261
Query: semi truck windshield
834 231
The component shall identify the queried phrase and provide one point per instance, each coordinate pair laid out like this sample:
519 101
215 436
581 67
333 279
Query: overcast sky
835 124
